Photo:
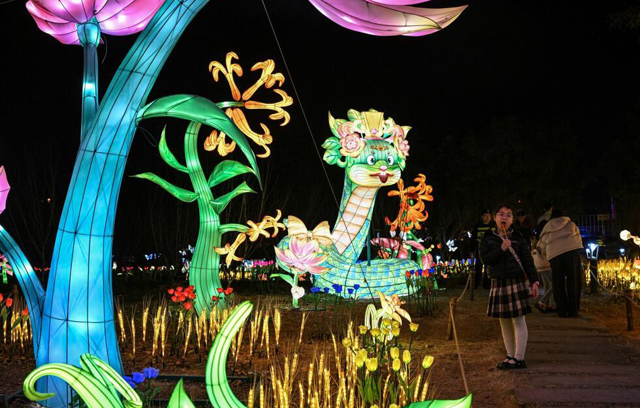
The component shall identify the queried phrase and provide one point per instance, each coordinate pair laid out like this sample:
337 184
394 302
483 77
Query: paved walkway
576 363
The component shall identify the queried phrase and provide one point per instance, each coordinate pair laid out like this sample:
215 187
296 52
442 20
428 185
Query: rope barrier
455 336
618 294
465 287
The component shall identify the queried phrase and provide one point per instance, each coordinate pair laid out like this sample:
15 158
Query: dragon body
373 152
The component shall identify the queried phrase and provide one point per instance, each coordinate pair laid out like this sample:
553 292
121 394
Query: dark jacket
479 230
502 264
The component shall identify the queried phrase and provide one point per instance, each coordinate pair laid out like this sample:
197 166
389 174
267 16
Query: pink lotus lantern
303 256
61 18
387 17
82 22
4 189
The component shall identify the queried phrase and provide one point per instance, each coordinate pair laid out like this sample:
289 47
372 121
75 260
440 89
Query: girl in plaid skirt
513 280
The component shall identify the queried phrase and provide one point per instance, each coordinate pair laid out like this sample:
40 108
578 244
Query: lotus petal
317 270
59 18
387 18
4 189
398 2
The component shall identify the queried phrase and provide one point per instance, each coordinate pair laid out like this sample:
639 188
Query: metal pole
628 297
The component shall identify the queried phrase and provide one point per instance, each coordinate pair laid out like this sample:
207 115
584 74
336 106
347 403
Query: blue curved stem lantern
75 315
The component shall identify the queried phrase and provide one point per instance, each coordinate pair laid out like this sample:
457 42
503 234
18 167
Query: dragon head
372 149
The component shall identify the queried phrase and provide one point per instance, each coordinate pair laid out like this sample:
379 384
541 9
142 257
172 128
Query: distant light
622 251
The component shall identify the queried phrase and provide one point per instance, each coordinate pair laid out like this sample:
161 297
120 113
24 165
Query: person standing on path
548 209
561 243
523 225
513 280
479 230
543 267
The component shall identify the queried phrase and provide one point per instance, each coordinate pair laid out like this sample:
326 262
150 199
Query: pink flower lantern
60 18
387 17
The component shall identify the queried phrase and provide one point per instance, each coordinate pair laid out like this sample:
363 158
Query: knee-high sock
509 336
521 336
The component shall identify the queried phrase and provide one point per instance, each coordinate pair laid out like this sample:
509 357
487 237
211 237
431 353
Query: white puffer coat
541 263
560 235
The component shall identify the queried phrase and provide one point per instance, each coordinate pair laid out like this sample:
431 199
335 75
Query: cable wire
313 140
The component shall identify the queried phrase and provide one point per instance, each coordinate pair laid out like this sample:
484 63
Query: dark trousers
479 279
566 274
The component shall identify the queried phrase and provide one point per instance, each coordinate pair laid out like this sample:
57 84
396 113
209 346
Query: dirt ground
479 339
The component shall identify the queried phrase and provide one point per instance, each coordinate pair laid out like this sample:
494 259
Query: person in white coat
561 243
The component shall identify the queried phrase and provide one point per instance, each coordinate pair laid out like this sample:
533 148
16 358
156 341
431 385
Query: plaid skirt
508 298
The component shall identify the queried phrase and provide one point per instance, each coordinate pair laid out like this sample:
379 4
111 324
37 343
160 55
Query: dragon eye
371 160
390 160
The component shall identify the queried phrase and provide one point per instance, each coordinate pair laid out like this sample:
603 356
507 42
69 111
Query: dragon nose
383 168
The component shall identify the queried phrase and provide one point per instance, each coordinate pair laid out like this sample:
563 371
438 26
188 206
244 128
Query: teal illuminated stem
205 264
78 314
29 282
295 284
89 35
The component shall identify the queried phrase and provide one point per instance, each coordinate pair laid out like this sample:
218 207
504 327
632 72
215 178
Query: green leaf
179 398
89 364
284 277
167 156
201 110
354 115
226 170
220 203
461 403
156 391
17 322
179 193
332 156
91 389
402 163
218 389
224 228
331 143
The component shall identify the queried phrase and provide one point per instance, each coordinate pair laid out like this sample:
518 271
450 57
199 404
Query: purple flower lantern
61 18
387 17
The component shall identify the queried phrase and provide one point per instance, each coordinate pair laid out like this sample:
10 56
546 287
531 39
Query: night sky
553 60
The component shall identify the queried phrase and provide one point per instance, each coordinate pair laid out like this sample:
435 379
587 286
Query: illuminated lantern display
203 271
99 386
304 254
411 214
76 316
373 150
204 268
4 189
82 22
387 17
